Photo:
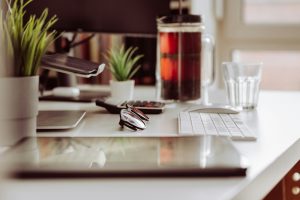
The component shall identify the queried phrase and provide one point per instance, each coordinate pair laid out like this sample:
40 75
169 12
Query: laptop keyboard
194 123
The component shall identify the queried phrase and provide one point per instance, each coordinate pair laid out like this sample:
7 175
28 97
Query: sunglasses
133 118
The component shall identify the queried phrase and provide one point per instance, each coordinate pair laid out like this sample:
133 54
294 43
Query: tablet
194 156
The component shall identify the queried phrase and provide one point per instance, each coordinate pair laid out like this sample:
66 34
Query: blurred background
244 30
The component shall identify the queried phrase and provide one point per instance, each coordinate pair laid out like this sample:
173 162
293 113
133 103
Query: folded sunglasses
133 118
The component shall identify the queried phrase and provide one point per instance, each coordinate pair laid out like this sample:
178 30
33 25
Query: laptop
59 119
94 157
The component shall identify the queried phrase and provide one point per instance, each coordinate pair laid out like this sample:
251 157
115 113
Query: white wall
206 9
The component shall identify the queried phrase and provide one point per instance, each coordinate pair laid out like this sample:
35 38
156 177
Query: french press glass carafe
184 57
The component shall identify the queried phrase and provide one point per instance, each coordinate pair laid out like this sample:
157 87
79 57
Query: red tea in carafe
179 57
180 64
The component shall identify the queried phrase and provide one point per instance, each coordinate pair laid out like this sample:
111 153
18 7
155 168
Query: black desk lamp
72 66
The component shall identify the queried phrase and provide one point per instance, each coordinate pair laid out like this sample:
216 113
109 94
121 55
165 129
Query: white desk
276 122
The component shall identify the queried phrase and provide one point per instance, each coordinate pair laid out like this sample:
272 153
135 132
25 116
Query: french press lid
170 19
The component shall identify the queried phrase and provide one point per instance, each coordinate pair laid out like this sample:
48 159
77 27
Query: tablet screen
55 157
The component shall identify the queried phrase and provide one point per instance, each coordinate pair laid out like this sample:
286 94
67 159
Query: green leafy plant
122 63
25 42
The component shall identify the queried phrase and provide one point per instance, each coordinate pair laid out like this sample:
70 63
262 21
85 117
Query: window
263 30
271 12
281 69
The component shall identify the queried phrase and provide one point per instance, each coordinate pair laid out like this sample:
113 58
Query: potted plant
23 45
122 65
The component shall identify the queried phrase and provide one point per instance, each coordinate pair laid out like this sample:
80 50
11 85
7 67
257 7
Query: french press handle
208 61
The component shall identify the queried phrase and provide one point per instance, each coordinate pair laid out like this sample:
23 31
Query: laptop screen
105 16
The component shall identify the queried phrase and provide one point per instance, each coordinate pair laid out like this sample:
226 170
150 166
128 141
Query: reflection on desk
106 157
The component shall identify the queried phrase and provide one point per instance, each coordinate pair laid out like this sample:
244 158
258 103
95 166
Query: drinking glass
242 82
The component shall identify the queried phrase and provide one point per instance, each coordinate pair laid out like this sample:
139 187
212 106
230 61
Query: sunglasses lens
132 119
122 123
138 112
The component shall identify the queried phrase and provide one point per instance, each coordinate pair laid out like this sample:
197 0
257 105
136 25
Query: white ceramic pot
122 90
18 108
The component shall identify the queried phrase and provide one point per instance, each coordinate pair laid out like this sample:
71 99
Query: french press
184 57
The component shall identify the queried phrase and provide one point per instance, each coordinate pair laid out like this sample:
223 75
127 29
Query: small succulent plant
122 63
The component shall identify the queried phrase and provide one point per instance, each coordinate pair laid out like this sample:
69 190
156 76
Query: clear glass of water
242 82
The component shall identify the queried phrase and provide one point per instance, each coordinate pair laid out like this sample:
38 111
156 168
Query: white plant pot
19 108
122 90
